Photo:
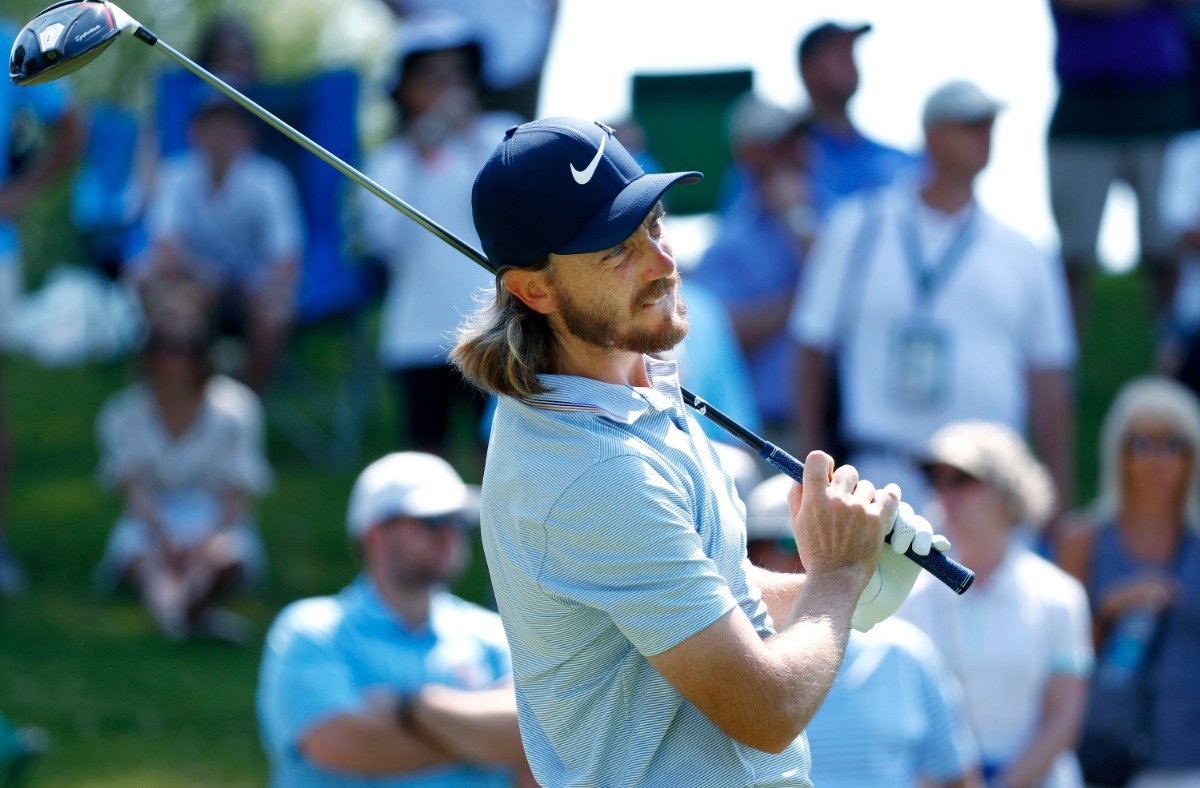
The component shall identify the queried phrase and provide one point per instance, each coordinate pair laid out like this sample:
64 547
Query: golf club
68 35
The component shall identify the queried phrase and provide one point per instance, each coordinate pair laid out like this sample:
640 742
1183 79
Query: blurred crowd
854 298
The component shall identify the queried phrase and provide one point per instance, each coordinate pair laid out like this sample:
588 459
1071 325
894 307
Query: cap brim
618 220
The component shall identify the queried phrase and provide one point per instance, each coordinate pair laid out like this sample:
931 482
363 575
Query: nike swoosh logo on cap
586 175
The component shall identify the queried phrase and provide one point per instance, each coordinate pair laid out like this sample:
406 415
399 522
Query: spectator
1018 641
844 159
769 540
754 264
515 34
1123 71
1137 551
893 690
229 49
1178 353
394 681
968 318
184 447
50 105
228 218
443 139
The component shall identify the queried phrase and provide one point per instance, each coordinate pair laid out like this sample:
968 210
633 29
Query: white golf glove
895 574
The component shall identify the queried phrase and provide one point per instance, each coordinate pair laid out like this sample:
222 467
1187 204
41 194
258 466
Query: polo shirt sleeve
1069 624
1050 333
304 678
813 321
622 539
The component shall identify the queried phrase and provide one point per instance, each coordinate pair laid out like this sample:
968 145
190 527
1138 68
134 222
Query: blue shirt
322 653
47 102
751 259
843 164
893 715
612 534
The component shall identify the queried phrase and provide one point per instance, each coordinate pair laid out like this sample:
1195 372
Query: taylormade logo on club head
586 175
87 33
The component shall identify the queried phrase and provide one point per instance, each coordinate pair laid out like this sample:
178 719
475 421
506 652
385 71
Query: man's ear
533 288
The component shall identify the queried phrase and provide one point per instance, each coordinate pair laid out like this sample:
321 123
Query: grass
121 706
124 708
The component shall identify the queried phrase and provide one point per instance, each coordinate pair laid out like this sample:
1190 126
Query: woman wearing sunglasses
1137 551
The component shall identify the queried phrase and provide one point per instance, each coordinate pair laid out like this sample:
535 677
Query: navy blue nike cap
564 186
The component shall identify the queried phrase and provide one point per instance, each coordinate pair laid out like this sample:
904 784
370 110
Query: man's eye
614 252
657 227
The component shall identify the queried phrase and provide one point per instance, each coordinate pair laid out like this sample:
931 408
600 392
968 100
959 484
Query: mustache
659 288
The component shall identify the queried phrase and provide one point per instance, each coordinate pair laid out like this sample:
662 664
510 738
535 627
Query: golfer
646 649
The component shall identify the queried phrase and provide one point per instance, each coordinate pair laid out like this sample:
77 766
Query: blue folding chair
322 419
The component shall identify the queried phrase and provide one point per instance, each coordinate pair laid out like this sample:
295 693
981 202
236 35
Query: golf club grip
958 577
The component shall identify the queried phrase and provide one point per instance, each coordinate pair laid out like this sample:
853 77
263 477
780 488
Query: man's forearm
814 636
474 726
779 590
370 742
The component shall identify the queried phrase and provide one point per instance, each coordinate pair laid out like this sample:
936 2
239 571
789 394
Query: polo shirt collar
371 607
624 404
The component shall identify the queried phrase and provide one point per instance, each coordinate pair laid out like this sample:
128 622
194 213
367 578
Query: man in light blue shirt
394 681
646 649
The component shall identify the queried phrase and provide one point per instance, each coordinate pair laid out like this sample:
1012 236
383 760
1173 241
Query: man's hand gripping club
839 522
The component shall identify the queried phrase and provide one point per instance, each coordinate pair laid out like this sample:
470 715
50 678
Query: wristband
403 711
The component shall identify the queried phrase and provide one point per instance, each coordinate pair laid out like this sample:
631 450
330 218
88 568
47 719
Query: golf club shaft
953 574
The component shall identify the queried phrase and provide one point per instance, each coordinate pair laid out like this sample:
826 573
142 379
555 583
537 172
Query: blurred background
119 705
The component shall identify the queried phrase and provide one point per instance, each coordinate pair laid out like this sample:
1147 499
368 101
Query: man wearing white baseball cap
394 681
965 317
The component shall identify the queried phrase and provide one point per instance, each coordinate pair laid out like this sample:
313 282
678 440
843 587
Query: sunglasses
1174 445
433 525
944 477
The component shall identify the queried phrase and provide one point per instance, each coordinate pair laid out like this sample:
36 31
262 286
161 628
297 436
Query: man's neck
947 194
834 119
411 605
619 367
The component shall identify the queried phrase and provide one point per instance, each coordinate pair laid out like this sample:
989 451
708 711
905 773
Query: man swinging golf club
646 649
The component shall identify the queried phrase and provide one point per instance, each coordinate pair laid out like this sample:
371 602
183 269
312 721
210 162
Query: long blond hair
504 344
1152 397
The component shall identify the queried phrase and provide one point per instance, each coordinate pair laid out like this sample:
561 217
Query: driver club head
64 38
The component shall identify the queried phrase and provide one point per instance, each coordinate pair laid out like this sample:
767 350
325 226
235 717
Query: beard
610 330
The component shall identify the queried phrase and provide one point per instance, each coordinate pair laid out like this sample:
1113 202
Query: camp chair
321 417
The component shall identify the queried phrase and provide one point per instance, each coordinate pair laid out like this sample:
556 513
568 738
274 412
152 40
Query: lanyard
929 278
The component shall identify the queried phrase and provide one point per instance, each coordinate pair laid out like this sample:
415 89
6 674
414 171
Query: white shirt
1002 309
222 448
252 221
1003 640
431 285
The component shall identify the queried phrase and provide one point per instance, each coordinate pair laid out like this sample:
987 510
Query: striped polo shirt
612 533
